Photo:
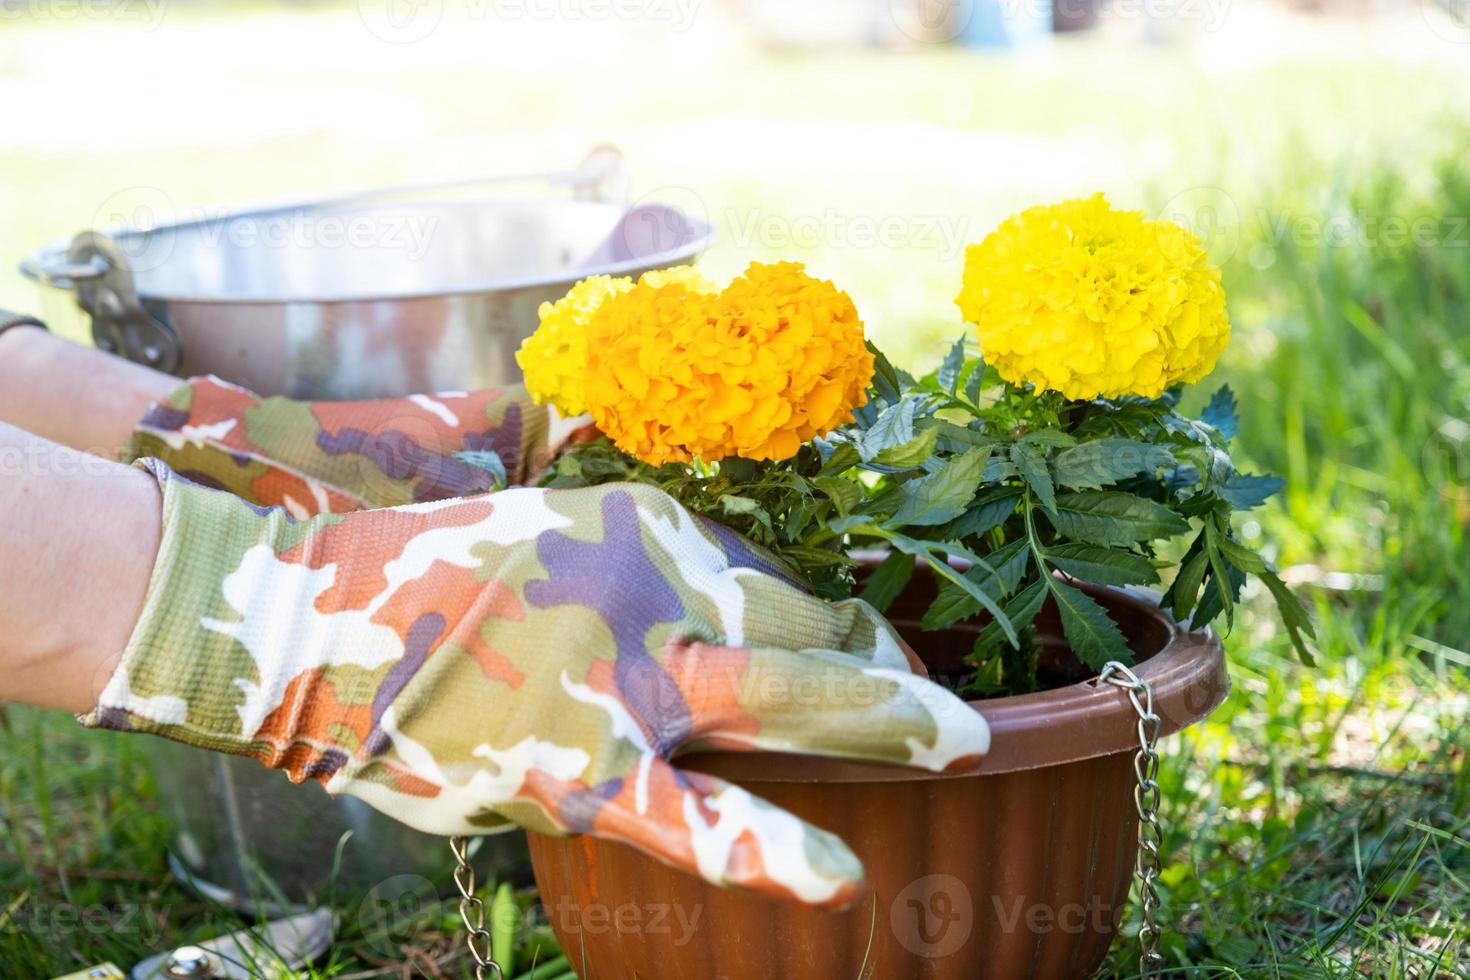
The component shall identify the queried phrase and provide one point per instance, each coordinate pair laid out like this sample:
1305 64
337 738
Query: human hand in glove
533 657
310 457
331 457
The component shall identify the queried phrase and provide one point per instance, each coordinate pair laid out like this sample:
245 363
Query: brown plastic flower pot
1019 870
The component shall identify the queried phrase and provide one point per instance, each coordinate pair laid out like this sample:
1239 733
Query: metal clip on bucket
97 270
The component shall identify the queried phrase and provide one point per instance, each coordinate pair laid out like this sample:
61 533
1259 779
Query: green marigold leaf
888 580
734 505
1184 593
1221 577
1186 428
1093 635
857 524
889 383
989 674
894 427
1293 615
1240 556
1031 464
974 380
1021 610
999 468
1221 413
1114 518
957 438
910 454
990 510
817 557
843 492
940 497
1212 599
738 469
1051 438
1102 462
944 570
954 604
844 456
1246 491
949 372
1105 566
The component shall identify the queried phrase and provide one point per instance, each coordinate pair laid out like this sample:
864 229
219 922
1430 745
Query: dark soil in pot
1019 870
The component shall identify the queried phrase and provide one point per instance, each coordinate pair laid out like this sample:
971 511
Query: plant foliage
1008 495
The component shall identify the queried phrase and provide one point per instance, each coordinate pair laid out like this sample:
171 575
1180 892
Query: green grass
86 880
1319 823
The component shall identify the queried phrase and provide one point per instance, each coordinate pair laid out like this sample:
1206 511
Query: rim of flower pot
1186 670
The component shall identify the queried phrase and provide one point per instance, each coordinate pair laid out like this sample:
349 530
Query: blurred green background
1319 824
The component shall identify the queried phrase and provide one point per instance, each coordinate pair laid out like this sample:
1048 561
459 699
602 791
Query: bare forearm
74 395
78 536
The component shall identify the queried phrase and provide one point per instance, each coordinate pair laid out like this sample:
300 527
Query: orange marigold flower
775 359
554 358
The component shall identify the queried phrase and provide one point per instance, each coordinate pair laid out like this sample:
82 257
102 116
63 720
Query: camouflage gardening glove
531 657
334 457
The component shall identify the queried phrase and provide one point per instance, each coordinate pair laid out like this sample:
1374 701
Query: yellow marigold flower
1080 298
774 360
683 275
554 358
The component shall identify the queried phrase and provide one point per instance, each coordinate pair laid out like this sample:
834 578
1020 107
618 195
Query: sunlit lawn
1319 824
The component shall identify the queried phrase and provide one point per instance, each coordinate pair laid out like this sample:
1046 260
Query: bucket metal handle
54 269
599 177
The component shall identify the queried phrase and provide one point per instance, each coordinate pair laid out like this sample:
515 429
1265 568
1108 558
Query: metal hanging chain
1146 797
472 912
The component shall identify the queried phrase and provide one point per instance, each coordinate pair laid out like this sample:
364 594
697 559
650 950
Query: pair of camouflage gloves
337 595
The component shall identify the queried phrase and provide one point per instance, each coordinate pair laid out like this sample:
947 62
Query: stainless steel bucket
388 293
385 293
244 836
